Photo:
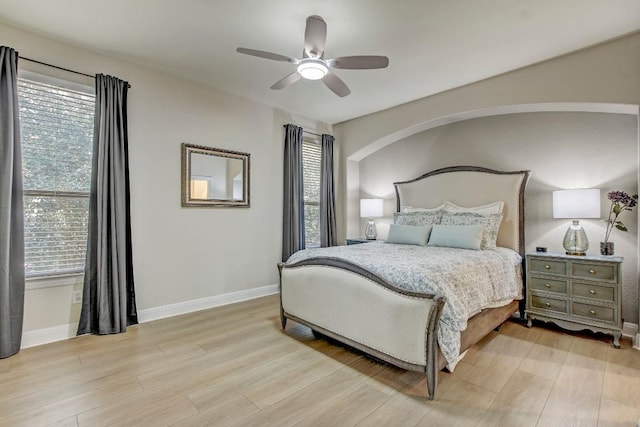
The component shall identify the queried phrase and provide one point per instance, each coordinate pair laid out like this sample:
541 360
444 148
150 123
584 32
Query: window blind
56 125
311 158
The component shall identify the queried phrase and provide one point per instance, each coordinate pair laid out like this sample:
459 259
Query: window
56 124
311 158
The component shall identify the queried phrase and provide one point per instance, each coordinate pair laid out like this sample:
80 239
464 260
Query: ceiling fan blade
364 62
336 84
288 80
264 54
315 36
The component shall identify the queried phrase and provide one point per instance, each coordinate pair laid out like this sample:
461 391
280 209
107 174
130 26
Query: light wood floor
234 366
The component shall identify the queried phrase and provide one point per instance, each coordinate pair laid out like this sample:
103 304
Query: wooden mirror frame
188 199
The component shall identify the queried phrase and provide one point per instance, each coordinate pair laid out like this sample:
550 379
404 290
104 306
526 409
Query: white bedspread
470 280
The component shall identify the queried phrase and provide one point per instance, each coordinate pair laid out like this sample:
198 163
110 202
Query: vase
606 248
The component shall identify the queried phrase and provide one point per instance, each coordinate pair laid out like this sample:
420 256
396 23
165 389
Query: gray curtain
11 208
293 206
108 304
327 194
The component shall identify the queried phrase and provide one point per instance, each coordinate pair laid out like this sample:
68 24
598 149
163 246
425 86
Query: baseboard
629 330
185 307
47 335
66 331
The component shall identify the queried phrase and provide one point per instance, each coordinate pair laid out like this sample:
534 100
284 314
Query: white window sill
53 281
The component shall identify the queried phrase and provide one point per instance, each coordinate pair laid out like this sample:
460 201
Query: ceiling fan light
312 69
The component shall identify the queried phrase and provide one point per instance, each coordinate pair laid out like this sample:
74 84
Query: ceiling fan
313 66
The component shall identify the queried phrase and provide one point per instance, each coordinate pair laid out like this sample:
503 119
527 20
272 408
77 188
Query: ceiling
432 45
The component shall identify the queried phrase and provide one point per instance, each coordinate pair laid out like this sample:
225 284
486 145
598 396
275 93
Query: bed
356 302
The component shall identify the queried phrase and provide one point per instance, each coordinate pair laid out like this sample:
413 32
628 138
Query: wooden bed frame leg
431 365
432 362
283 321
432 370
431 386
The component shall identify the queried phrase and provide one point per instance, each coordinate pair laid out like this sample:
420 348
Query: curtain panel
11 208
328 235
109 304
293 194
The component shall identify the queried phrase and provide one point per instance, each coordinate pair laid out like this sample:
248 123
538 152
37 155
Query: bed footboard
354 306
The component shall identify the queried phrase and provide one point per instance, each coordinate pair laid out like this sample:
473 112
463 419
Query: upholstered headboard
470 186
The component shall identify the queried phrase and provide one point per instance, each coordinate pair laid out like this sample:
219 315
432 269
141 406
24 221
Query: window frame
87 86
312 141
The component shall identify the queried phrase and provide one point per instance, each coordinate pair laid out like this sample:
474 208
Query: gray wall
562 150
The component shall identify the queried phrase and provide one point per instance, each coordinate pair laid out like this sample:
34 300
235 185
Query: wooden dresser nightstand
359 240
575 292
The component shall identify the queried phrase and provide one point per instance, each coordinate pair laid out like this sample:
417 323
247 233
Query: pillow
490 222
417 218
457 236
409 209
409 234
491 208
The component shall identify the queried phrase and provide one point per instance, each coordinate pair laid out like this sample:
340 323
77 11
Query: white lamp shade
371 208
576 204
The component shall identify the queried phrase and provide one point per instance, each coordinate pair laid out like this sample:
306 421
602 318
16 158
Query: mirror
214 177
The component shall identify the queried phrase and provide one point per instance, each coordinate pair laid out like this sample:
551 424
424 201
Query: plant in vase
620 202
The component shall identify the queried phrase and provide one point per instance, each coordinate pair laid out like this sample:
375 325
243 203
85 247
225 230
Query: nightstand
575 292
359 240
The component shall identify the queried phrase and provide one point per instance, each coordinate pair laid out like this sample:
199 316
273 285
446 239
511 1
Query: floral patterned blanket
469 280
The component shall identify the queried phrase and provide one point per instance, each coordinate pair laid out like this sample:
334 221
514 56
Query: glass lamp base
575 240
576 253
370 232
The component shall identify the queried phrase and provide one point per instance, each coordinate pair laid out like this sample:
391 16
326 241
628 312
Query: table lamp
371 208
576 204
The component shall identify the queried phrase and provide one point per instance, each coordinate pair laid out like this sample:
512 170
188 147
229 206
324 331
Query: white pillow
491 208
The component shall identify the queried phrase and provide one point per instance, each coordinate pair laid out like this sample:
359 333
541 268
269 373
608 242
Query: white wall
602 78
180 254
603 75
562 151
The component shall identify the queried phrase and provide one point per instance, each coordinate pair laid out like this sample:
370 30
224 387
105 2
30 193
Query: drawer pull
592 271
546 285
593 312
592 292
547 267
547 304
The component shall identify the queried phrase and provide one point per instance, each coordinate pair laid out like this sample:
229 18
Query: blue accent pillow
409 234
490 222
457 236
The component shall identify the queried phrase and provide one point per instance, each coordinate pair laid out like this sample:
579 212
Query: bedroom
188 112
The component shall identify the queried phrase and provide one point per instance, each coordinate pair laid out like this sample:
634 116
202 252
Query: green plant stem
610 223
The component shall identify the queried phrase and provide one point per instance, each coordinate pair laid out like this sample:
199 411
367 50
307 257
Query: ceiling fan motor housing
312 68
